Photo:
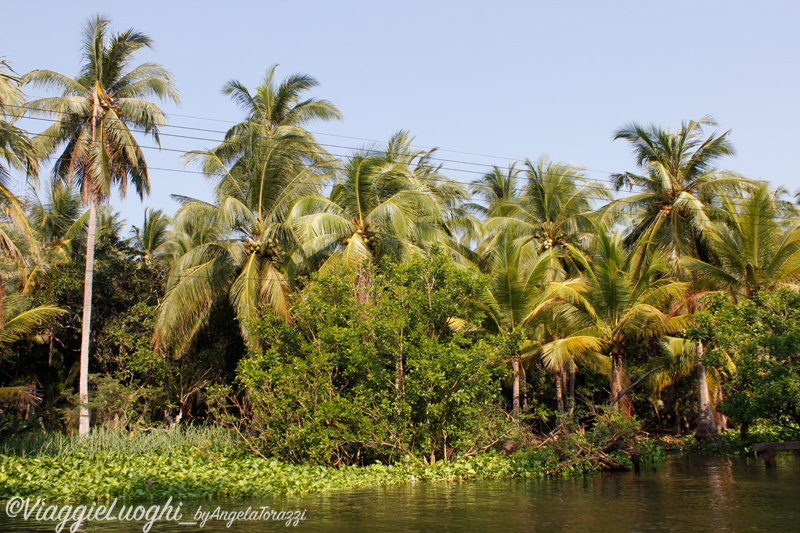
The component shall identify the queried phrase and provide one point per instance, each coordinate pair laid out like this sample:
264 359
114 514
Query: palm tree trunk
705 418
559 391
616 381
571 387
623 404
2 295
83 427
515 365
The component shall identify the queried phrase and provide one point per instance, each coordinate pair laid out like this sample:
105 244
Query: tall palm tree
679 186
18 152
517 278
620 297
95 118
553 207
391 203
271 139
752 249
15 147
244 253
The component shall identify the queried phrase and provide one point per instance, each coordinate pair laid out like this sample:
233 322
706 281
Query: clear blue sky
504 79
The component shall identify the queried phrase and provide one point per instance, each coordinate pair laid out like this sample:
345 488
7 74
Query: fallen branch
627 389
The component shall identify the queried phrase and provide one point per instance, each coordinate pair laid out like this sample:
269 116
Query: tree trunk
2 295
559 391
705 418
744 431
83 427
624 404
571 387
515 365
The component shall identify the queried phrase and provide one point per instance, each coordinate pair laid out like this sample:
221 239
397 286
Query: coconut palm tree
15 147
271 139
95 118
19 320
518 275
498 191
679 186
58 225
752 249
620 297
384 203
18 152
152 234
553 207
59 217
240 256
680 359
244 254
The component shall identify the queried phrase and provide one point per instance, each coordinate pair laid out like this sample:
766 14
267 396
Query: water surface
703 495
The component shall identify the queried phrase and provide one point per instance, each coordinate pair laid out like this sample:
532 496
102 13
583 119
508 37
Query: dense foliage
756 346
372 368
368 309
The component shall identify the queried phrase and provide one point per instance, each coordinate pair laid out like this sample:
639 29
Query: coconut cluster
269 248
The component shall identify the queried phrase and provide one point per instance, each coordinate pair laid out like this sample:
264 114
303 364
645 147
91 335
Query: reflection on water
719 495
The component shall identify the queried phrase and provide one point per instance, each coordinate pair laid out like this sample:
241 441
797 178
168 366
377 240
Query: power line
522 189
462 182
224 121
352 148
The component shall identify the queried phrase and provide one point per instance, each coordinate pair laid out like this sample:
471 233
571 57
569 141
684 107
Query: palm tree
620 297
58 226
19 321
15 147
271 139
553 207
383 203
152 234
18 152
681 357
679 186
752 249
497 189
244 253
518 275
93 119
59 217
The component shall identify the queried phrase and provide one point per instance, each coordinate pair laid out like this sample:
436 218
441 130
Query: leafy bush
756 344
371 369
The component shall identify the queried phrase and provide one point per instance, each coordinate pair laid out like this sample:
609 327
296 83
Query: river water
713 495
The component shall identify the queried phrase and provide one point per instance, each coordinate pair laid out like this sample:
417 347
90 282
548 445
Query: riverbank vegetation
197 463
369 310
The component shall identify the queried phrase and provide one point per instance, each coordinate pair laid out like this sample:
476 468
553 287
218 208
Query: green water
718 495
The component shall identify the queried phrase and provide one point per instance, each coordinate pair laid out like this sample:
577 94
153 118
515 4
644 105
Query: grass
109 441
